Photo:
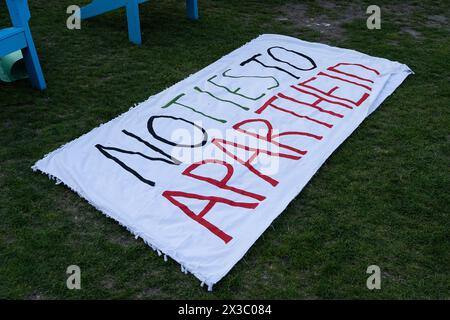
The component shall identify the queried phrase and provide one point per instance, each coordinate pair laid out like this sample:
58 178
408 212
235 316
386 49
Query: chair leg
33 66
192 9
134 24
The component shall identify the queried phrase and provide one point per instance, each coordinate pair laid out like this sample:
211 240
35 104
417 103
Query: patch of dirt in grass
108 283
327 4
404 13
393 43
411 16
36 296
124 240
149 293
71 210
403 9
7 124
9 240
71 205
330 18
329 22
438 21
414 33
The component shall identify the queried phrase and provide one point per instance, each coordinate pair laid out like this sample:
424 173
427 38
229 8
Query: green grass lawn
382 198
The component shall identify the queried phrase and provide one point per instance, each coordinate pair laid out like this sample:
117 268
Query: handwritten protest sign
200 170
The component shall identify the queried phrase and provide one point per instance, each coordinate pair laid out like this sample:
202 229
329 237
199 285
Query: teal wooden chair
18 37
97 7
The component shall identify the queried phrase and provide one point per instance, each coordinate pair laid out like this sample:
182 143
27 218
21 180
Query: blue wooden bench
97 7
18 37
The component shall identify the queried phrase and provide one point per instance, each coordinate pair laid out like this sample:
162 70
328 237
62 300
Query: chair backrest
19 12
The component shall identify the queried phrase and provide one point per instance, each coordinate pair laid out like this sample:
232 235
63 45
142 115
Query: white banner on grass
200 170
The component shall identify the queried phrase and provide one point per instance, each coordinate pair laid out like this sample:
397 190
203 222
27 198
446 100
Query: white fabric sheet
141 170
